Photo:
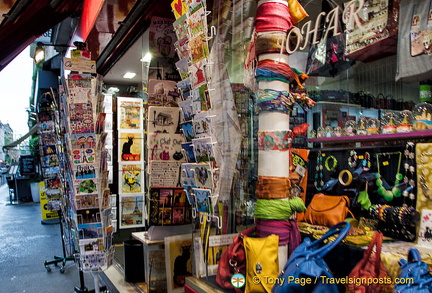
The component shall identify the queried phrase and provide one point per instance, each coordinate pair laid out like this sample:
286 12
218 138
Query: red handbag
233 261
369 270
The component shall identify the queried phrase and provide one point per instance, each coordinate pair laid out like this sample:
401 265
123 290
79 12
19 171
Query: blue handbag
306 270
415 273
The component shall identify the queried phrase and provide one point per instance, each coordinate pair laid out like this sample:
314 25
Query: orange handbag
327 210
371 271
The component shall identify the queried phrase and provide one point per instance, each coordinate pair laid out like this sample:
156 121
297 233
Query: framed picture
178 261
131 211
129 113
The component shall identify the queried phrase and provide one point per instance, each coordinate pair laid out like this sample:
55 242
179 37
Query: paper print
182 47
131 211
203 201
85 186
83 140
130 146
197 22
188 130
164 146
183 67
179 8
129 113
131 178
87 201
85 171
178 251
180 27
187 111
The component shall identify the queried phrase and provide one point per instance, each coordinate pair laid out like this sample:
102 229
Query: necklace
395 191
423 182
319 182
408 179
352 159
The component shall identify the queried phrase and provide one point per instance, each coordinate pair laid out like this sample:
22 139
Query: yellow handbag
262 263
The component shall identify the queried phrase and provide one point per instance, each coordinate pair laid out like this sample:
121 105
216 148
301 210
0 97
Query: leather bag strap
376 242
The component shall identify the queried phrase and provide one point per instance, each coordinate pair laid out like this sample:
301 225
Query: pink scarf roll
287 231
273 16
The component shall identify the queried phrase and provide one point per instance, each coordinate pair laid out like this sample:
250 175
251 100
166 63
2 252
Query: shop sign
308 34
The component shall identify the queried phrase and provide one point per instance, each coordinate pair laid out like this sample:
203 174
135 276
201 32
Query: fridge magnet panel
129 113
130 146
131 211
164 173
164 146
131 178
163 119
162 93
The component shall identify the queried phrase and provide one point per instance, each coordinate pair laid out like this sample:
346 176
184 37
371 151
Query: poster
130 146
131 178
178 261
131 211
129 113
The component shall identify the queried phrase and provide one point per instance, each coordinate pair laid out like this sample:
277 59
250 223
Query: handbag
327 210
233 260
370 267
377 38
262 263
416 273
306 270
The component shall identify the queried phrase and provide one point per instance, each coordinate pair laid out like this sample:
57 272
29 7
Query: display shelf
374 138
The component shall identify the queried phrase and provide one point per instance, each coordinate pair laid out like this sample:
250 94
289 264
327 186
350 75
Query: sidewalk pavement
25 244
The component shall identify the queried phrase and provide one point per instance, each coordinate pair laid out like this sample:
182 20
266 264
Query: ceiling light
147 57
113 89
129 75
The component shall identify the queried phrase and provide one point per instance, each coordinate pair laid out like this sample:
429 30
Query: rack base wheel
48 268
62 269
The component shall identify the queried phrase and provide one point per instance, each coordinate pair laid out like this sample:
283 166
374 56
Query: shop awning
21 139
26 20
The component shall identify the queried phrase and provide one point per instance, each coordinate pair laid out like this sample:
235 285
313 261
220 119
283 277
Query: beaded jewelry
334 164
409 178
395 191
319 180
352 159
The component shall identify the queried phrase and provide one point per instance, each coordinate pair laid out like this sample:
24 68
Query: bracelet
349 179
327 163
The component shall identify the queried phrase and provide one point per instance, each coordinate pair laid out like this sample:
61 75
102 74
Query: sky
15 91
